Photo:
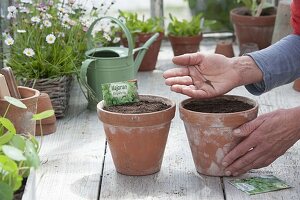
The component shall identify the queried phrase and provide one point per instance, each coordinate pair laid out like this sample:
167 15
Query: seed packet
261 184
119 93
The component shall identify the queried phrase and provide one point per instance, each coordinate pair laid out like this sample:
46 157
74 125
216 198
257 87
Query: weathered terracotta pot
49 124
183 45
249 29
210 134
22 118
296 85
137 141
150 58
225 48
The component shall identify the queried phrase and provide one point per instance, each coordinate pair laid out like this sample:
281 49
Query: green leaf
6 192
43 115
15 102
6 138
9 172
8 125
13 153
31 155
18 142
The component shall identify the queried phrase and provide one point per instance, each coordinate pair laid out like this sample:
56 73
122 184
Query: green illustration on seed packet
257 185
119 93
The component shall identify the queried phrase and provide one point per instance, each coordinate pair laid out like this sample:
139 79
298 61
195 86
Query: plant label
119 93
257 185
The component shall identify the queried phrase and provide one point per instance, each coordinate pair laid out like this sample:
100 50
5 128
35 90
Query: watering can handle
124 28
83 73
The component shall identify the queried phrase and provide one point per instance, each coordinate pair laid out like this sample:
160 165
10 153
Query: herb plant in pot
254 23
185 36
137 133
142 30
209 124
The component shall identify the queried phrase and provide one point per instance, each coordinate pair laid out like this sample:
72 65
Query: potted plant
46 43
254 23
209 124
185 36
142 30
18 153
137 133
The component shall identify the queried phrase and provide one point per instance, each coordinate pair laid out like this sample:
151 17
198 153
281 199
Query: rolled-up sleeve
280 64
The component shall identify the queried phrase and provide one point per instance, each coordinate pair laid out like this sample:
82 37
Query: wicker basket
58 90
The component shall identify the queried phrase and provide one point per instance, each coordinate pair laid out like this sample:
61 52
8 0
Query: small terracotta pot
225 48
22 118
183 45
210 134
137 141
150 58
296 85
49 124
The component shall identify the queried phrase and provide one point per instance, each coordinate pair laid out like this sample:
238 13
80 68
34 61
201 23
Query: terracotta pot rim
234 12
36 92
255 104
172 104
193 36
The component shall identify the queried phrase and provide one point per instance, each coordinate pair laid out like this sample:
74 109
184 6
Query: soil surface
138 107
218 106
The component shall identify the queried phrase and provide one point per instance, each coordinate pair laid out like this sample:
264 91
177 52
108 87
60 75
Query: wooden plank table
77 164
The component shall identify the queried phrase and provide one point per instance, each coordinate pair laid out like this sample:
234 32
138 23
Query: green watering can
109 64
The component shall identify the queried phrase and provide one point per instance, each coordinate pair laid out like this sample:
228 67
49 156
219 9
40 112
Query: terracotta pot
210 134
48 125
22 118
150 58
250 29
296 85
225 48
183 45
137 141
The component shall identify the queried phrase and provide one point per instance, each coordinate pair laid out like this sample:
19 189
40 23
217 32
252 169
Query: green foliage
255 6
187 28
18 153
136 25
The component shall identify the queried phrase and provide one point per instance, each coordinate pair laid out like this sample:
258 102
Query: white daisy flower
26 1
24 9
61 34
21 31
50 39
116 39
47 23
35 19
11 9
9 41
11 15
29 52
106 36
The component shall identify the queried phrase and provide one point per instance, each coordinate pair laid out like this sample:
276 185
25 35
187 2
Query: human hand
267 137
210 75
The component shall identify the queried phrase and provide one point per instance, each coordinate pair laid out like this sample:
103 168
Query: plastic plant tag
120 93
257 185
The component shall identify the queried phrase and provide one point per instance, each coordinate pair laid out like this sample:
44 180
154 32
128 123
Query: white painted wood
72 157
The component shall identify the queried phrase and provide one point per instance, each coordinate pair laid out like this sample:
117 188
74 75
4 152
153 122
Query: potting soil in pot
142 106
217 106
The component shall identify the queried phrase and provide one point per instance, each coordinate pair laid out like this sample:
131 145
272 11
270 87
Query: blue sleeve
280 64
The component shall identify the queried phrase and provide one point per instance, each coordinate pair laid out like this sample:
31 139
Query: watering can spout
142 51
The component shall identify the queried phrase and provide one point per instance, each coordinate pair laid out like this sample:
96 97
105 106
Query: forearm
279 63
293 120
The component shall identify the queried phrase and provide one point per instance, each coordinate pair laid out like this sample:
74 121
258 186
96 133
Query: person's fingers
262 161
245 162
238 151
188 59
183 71
181 80
247 128
190 91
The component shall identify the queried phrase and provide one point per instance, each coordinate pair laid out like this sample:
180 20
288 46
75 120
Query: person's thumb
188 59
246 129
